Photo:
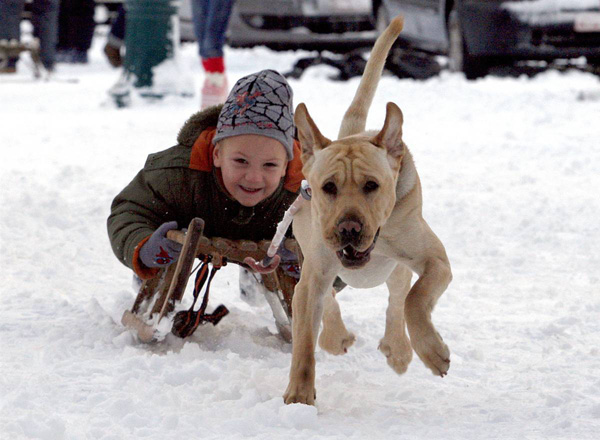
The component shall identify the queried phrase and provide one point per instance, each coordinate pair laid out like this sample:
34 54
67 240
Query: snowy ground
510 170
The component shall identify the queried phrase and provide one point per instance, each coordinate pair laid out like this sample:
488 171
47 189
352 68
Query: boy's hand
159 251
259 267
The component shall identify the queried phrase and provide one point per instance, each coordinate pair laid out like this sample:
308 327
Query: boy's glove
159 251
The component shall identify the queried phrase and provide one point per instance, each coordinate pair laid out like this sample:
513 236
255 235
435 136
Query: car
335 25
477 35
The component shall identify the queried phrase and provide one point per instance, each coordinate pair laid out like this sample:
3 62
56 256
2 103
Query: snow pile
510 170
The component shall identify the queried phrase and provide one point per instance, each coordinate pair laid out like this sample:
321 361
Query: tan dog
364 223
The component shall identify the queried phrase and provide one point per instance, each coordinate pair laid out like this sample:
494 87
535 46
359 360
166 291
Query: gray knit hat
260 103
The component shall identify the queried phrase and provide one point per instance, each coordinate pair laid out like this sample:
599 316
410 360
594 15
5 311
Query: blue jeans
44 17
211 18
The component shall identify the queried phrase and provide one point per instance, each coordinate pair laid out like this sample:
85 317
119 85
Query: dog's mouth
352 259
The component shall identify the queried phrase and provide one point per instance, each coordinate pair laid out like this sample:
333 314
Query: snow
510 170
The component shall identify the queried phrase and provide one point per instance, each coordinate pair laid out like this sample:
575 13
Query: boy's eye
241 161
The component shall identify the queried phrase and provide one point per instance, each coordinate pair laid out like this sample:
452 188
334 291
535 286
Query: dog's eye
370 186
330 188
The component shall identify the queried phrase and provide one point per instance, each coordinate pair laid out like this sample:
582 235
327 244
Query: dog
364 224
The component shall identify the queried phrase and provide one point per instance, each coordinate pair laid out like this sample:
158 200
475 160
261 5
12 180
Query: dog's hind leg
334 337
395 344
424 338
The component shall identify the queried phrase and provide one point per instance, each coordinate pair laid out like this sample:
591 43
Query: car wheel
459 59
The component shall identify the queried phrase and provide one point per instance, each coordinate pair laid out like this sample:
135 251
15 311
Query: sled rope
187 321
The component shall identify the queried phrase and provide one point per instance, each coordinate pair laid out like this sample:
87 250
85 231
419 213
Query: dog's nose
349 230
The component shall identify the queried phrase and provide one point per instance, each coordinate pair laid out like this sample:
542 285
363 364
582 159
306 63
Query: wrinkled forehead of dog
354 158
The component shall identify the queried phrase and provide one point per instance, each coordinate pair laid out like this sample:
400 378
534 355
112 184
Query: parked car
337 25
479 34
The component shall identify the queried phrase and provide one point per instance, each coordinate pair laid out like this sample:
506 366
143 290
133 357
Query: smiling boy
237 167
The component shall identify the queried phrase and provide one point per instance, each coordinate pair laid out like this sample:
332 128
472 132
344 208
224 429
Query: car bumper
493 30
243 33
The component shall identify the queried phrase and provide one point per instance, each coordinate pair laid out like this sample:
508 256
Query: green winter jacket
181 183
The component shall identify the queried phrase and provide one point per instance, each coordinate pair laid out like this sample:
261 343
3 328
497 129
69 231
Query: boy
237 167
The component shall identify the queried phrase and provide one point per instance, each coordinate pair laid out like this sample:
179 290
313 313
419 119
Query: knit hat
260 103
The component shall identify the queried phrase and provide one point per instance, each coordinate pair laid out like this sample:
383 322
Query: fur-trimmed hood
197 123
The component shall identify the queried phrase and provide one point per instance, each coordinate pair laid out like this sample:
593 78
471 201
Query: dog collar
305 190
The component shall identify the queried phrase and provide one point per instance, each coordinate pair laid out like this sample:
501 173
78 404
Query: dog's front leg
334 338
395 344
435 275
307 310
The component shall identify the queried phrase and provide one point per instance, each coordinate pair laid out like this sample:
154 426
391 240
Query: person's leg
85 28
117 28
10 21
66 30
75 30
216 20
210 23
45 26
115 40
199 8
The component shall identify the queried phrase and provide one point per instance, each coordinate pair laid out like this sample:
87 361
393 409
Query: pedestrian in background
210 19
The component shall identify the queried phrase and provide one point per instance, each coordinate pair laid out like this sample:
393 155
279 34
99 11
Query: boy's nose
253 176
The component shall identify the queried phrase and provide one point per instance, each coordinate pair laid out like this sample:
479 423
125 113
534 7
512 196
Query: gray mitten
159 251
289 261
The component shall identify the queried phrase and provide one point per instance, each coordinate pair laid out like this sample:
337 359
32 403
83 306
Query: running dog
364 224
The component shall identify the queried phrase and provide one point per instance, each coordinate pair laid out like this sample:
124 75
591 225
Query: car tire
459 58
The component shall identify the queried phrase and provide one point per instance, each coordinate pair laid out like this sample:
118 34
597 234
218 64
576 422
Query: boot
214 91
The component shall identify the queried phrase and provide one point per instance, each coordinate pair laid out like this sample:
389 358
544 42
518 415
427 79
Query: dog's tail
355 118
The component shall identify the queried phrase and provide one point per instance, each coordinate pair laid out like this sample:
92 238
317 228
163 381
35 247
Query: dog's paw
434 353
336 343
299 393
398 354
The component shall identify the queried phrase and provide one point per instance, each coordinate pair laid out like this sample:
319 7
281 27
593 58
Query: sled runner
158 296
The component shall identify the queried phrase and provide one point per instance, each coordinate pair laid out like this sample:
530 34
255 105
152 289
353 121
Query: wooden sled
160 295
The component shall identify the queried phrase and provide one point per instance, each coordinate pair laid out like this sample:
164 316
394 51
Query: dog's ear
390 136
311 138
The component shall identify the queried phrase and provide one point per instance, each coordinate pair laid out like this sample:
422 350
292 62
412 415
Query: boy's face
251 165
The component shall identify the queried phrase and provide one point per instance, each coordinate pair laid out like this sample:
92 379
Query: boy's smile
251 165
